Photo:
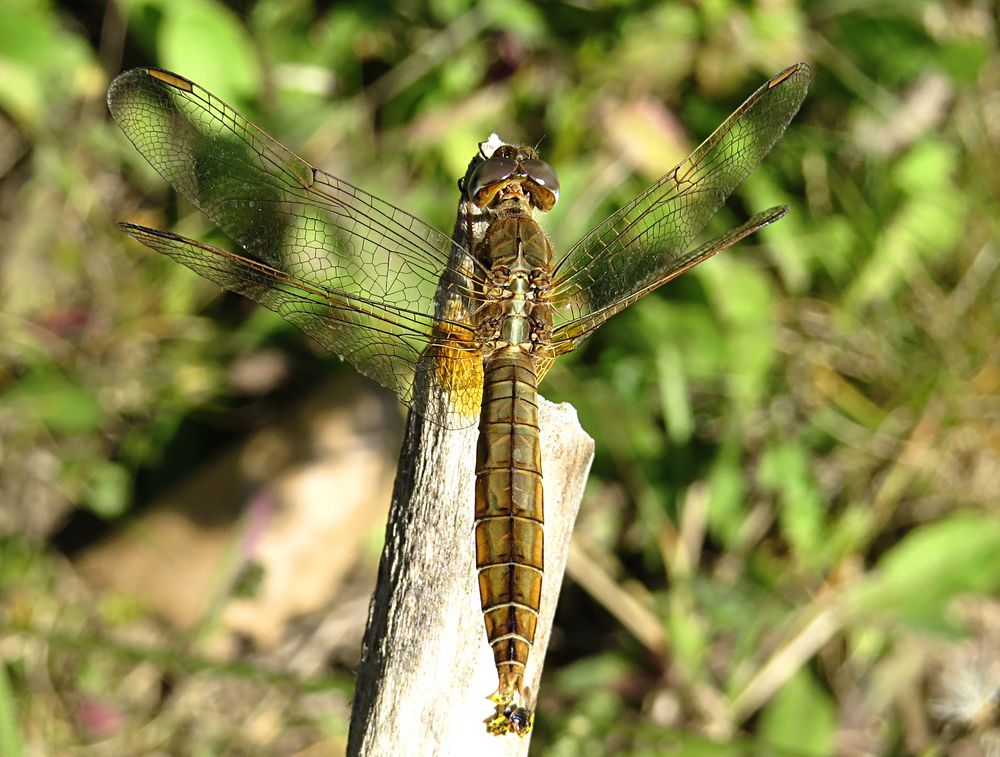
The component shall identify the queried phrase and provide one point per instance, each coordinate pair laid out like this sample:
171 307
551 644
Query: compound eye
543 185
543 175
487 174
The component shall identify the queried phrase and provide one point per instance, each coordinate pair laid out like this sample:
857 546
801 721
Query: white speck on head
491 145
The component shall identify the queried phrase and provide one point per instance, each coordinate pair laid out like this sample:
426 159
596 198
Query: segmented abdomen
509 538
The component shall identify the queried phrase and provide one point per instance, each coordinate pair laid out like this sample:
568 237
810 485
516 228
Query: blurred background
790 541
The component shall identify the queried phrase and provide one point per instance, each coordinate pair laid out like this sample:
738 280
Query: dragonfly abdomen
509 515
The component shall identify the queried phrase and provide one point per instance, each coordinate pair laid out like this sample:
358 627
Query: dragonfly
463 326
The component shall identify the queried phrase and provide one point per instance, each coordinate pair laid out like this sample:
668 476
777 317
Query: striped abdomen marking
509 540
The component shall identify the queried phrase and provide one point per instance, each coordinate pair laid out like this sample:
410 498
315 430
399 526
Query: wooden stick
426 669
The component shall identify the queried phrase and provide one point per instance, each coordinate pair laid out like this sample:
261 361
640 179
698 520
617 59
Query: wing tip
170 79
130 228
774 214
141 233
161 76
795 69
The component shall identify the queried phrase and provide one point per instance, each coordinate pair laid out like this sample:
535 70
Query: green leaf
963 58
21 94
206 42
689 329
783 240
108 487
595 672
918 578
727 493
674 394
926 167
926 226
828 242
10 732
688 635
784 470
800 720
42 65
522 18
62 405
656 741
743 297
929 226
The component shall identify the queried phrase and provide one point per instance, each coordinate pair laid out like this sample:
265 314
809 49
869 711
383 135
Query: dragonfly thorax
516 313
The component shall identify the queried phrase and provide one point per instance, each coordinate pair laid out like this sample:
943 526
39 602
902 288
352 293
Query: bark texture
426 669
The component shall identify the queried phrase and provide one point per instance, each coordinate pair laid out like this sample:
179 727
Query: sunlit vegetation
798 460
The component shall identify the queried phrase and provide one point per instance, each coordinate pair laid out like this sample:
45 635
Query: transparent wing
569 335
645 243
386 275
390 345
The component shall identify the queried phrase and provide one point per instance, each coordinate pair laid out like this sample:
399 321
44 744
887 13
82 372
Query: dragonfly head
511 172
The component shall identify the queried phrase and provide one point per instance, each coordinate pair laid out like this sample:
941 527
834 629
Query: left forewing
386 343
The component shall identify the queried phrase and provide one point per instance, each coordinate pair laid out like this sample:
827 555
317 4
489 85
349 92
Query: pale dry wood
426 669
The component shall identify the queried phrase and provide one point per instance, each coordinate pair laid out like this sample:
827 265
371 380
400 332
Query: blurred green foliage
797 463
